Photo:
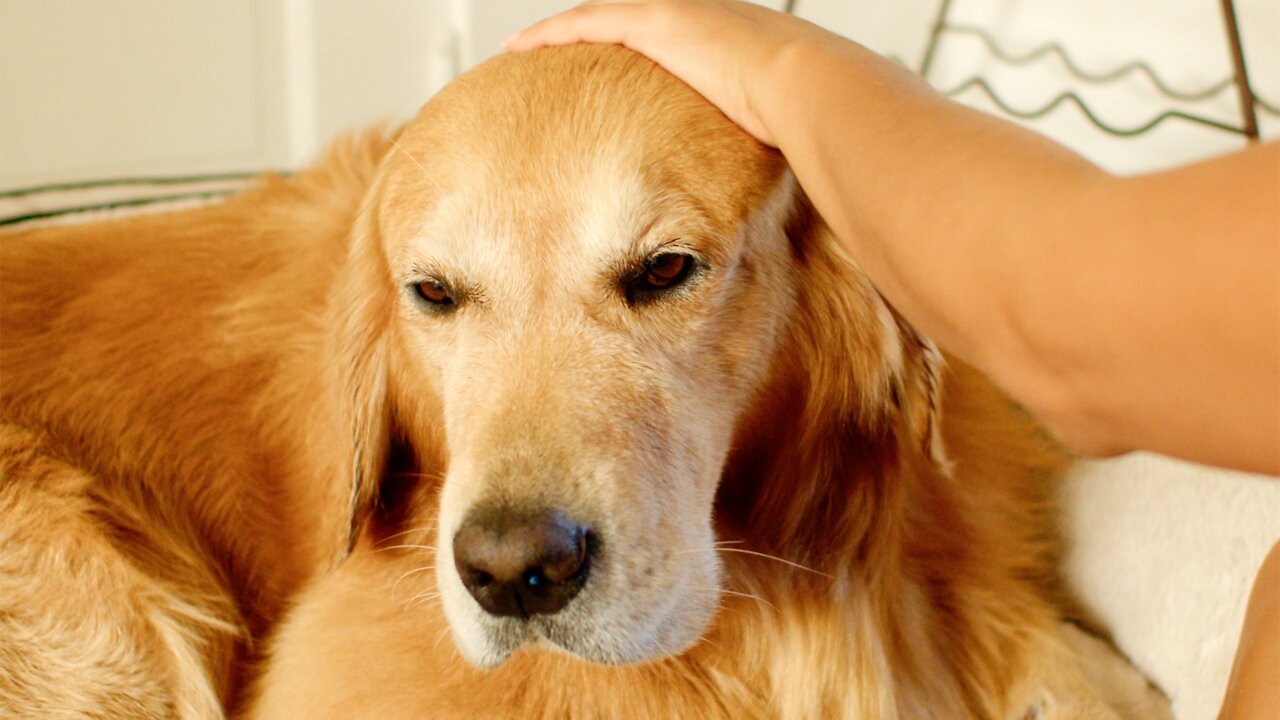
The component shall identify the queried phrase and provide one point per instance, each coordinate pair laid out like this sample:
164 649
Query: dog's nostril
521 563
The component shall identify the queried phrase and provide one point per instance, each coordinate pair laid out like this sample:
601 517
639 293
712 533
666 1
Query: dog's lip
553 633
501 645
502 640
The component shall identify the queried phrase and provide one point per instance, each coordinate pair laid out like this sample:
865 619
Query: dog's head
580 284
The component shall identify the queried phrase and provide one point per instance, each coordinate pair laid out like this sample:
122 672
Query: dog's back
156 504
103 611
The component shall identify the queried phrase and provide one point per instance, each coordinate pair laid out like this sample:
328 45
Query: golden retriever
615 428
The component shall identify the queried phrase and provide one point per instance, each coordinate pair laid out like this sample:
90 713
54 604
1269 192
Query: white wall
378 60
94 90
153 87
88 89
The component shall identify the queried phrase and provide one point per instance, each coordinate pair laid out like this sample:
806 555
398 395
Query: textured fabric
1165 553
96 200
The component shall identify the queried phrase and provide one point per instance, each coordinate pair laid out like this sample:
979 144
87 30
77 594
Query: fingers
713 45
597 22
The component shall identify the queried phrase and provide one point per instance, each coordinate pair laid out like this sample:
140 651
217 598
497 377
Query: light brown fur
159 387
243 385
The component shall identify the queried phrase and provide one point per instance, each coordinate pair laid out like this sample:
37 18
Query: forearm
1253 692
1031 263
1172 335
934 200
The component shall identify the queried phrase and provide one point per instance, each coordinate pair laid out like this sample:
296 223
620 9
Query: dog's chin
487 642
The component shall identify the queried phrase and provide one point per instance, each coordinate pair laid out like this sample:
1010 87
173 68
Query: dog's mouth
515 578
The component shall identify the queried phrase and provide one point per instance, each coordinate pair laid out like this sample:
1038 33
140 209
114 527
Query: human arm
1126 313
1251 692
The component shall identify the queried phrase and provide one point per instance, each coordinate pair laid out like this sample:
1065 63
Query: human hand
723 49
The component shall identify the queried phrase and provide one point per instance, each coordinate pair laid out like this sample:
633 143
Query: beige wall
147 87
88 89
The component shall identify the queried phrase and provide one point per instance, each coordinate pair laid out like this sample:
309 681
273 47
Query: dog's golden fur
205 410
167 479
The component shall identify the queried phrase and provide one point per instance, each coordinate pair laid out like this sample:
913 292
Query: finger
604 22
588 22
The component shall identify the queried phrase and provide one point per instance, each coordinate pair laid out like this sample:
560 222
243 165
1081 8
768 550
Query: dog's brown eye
667 270
434 292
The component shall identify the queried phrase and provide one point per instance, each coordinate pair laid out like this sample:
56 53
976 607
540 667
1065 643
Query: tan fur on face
552 390
260 373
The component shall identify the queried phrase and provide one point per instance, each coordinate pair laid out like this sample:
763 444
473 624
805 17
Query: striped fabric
76 202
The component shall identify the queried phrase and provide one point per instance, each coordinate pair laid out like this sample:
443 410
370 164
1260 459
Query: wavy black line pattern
941 25
1138 66
1071 97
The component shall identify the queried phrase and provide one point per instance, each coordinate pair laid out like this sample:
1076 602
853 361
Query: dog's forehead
593 216
585 144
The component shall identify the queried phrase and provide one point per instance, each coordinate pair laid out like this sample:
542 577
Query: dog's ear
917 390
862 359
359 317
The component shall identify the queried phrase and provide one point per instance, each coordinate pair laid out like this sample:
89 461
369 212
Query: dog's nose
519 564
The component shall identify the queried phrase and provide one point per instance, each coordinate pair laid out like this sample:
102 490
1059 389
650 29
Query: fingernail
506 41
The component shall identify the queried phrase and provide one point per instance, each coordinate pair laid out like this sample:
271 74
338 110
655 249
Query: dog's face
592 279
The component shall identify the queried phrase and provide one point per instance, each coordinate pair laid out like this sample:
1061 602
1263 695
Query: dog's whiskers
668 656
422 528
757 598
425 596
414 571
406 546
702 640
766 556
439 638
396 144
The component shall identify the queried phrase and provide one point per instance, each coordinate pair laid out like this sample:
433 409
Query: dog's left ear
878 367
916 387
359 316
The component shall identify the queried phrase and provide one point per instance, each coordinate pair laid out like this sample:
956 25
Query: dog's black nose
519 564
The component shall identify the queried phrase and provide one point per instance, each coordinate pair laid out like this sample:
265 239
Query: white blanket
1165 553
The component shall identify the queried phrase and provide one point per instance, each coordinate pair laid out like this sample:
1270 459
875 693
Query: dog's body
462 323
162 484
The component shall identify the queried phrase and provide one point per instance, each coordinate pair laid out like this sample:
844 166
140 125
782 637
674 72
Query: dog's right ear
359 317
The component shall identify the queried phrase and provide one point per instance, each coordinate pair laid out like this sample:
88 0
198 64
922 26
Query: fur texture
167 479
253 389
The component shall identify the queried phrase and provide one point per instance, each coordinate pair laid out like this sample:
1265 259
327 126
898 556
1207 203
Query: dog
652 446
560 402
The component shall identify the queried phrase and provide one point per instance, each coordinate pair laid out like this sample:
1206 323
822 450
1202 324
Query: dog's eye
660 274
434 292
667 270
